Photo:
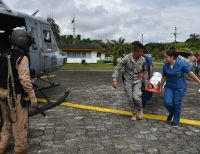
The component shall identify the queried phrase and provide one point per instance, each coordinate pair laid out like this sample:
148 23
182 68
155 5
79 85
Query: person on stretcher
154 83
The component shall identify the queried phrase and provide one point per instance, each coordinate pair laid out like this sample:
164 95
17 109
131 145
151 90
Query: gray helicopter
44 53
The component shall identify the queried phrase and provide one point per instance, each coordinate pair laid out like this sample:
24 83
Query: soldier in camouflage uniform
134 67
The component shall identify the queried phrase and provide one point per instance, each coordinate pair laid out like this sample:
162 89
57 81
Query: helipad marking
109 110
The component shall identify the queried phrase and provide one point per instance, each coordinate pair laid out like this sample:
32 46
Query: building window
83 54
98 54
73 54
88 55
78 54
69 54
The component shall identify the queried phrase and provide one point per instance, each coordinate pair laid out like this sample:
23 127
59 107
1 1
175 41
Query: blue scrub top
148 63
176 76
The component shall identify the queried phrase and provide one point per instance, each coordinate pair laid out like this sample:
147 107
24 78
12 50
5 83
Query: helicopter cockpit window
32 32
47 36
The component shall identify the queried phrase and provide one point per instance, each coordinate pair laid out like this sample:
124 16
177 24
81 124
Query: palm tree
117 48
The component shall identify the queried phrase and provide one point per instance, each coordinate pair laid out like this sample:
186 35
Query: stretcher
154 83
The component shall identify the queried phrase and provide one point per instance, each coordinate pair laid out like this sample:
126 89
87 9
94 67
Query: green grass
99 66
157 67
158 60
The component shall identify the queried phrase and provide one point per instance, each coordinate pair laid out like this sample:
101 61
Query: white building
83 53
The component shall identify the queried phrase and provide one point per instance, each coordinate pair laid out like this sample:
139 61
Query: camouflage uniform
184 59
133 81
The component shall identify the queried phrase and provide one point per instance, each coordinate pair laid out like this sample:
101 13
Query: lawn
99 66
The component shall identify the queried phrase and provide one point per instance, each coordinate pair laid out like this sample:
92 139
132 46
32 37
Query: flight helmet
21 39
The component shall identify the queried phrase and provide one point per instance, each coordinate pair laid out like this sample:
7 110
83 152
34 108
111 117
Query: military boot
140 114
134 117
4 151
22 152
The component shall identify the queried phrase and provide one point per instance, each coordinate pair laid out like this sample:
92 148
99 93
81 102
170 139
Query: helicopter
44 53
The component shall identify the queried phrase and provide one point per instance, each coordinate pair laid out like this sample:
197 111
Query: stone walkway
68 130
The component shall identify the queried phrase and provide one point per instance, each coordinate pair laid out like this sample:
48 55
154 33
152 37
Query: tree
194 41
155 47
55 28
194 36
78 37
117 48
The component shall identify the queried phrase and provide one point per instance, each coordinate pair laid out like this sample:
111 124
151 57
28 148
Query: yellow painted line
50 76
109 110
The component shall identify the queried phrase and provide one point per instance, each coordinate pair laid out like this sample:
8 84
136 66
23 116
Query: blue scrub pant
146 95
173 100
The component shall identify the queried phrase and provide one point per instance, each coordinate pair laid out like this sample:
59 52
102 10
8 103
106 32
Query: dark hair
172 52
137 46
145 50
172 48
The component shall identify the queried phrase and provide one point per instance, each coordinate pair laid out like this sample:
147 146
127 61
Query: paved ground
70 130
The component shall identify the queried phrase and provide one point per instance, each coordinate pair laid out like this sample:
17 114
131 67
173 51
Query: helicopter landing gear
49 104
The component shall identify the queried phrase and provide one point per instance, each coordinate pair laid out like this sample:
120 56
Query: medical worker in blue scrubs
146 95
174 90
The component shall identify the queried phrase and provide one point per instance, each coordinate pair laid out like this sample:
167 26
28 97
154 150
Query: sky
112 19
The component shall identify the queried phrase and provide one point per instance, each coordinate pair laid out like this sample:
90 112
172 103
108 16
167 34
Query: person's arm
117 69
194 77
25 79
151 72
151 68
164 78
144 73
187 69
162 82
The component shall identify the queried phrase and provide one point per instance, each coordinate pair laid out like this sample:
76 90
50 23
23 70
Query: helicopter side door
48 54
36 47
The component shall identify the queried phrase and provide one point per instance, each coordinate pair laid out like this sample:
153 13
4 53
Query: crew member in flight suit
174 74
21 42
